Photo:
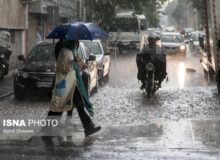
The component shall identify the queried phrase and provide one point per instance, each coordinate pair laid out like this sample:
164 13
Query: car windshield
171 38
42 52
125 25
189 30
94 47
151 29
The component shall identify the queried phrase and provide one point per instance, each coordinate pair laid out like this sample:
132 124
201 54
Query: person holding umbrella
69 90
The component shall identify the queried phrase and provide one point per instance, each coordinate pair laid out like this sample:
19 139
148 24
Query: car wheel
97 85
107 78
101 80
218 87
211 75
19 93
206 76
218 82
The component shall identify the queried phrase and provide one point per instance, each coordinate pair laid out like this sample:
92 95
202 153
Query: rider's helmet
152 36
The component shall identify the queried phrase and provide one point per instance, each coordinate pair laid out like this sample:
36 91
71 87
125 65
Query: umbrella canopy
77 31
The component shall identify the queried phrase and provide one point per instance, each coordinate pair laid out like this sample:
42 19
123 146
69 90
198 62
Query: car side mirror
92 58
21 58
107 54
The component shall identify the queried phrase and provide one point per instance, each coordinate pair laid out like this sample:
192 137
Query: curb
6 94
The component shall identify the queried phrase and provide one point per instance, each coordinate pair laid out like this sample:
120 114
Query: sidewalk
6 87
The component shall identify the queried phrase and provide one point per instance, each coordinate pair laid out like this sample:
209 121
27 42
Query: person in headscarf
68 91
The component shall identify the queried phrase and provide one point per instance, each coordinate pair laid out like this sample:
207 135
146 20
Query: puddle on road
187 139
191 134
182 134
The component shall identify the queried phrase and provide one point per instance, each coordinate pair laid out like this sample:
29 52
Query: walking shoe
88 132
142 86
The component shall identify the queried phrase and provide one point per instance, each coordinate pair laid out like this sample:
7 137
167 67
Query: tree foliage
198 5
186 13
180 13
104 11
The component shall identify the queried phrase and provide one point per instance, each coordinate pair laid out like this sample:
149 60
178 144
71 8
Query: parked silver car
103 59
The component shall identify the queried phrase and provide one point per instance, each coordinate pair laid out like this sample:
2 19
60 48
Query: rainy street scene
109 79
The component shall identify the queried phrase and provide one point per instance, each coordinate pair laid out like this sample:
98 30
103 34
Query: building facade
14 18
44 15
30 21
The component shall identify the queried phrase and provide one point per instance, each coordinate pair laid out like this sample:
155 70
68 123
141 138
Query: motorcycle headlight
2 56
23 74
182 47
149 67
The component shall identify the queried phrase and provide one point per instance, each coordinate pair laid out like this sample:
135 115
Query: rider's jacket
152 49
158 61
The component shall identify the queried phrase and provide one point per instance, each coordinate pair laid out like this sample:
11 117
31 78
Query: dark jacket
152 49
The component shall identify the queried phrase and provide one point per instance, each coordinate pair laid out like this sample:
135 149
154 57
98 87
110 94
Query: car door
106 59
92 66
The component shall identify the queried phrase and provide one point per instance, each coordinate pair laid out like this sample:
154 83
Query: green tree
198 5
186 13
104 11
152 11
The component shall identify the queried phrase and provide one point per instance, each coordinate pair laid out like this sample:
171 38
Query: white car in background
173 43
194 41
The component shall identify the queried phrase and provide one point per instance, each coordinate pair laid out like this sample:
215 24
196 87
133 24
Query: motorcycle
5 55
151 71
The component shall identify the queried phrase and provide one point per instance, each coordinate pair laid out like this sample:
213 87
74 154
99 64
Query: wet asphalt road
180 122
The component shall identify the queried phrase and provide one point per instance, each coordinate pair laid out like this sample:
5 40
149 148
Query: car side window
104 46
87 51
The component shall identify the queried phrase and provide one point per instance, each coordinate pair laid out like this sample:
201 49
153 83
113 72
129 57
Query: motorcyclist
153 48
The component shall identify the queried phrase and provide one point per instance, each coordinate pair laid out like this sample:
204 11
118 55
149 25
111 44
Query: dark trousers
84 117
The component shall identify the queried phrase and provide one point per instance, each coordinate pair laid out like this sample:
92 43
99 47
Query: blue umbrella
77 31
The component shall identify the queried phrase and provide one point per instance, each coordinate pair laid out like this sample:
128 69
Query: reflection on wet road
181 74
